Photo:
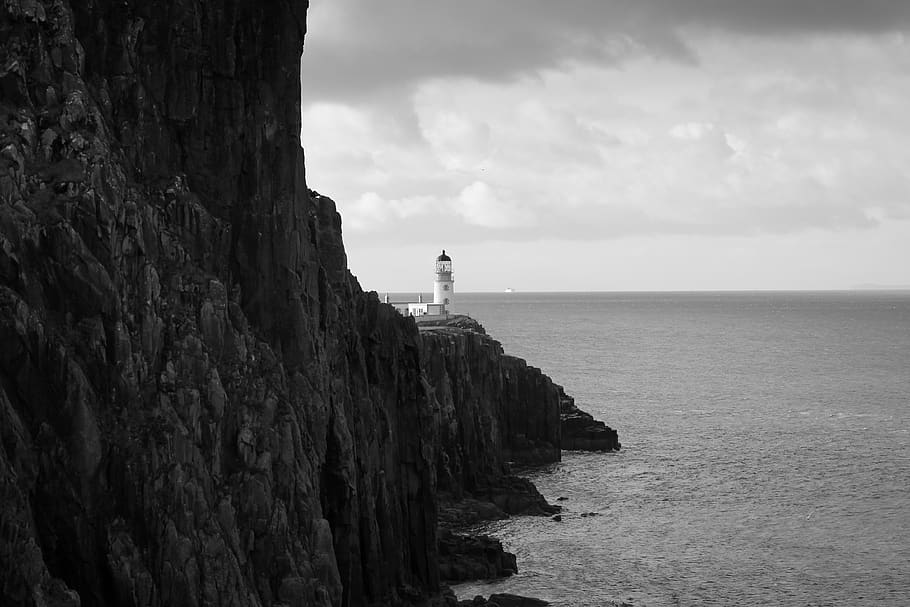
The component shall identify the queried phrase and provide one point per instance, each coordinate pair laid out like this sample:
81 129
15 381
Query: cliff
496 408
493 410
198 404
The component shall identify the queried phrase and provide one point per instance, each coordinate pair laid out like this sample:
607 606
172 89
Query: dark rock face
495 408
581 432
463 557
198 404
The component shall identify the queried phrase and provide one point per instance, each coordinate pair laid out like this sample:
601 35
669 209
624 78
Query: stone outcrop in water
463 557
581 432
503 600
198 404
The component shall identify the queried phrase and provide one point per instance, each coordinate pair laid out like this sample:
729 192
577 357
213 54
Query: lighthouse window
445 287
447 301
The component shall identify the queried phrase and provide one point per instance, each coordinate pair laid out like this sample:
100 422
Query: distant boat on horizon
509 290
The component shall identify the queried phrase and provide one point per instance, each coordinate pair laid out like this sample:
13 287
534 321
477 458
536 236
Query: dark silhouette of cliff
198 404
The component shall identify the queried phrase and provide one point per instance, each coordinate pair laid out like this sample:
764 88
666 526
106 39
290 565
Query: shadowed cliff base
198 403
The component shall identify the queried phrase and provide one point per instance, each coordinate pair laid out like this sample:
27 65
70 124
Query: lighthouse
444 284
443 294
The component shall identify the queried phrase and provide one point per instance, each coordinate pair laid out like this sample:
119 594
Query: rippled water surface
766 448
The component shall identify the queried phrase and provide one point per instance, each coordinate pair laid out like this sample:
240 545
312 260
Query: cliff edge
198 403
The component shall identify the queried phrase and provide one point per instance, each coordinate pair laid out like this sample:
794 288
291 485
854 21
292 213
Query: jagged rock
581 432
517 495
467 511
472 557
457 321
508 495
503 600
514 600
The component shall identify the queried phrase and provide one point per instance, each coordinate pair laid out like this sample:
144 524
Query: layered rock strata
198 404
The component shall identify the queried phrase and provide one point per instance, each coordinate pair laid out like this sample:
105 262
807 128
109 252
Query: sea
765 448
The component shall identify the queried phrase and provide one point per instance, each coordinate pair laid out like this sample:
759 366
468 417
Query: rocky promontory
580 431
198 403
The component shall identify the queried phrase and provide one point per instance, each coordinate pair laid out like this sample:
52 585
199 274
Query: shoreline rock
581 432
503 600
472 557
454 321
508 406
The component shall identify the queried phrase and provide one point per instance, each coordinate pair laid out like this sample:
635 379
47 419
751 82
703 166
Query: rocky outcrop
503 600
581 432
464 557
198 404
457 321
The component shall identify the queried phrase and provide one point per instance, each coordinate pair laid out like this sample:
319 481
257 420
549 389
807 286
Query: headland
198 402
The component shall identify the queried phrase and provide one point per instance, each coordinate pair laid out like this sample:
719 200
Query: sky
613 145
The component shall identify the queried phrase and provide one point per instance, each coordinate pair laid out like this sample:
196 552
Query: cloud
606 130
704 138
368 213
791 16
655 148
355 48
359 47
458 141
373 213
479 205
692 131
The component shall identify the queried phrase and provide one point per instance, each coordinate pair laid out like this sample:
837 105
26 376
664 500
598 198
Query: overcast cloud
491 128
364 45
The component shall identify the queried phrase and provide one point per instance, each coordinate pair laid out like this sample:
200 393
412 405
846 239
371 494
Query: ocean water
766 448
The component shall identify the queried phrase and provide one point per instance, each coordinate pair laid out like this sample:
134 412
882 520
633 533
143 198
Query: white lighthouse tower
444 284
